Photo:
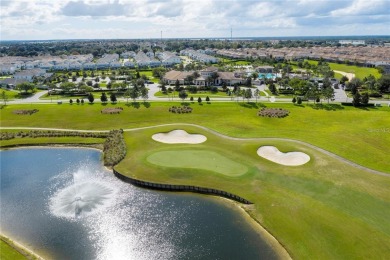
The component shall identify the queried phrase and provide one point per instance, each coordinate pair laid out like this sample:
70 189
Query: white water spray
84 196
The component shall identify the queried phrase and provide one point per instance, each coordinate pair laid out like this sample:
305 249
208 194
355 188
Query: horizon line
201 38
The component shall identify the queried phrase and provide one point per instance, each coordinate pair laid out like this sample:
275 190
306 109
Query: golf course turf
198 159
324 209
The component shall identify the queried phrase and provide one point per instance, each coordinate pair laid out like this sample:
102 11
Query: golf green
198 159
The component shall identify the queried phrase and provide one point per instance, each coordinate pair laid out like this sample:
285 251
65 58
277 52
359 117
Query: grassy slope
322 210
341 131
359 72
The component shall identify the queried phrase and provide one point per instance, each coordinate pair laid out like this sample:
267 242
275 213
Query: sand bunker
179 137
289 159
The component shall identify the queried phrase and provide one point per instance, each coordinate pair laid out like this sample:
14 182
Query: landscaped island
326 208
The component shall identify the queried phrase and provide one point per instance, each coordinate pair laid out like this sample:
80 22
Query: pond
63 204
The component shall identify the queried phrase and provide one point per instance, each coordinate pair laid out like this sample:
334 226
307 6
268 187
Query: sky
126 19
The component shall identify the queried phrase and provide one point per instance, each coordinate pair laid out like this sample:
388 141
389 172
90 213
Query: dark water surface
63 204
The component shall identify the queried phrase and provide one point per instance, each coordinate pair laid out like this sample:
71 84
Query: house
7 69
128 54
144 61
195 55
172 76
129 64
75 65
208 72
28 75
10 83
115 65
61 66
229 78
168 58
89 66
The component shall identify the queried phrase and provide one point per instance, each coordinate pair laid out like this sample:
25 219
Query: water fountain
82 197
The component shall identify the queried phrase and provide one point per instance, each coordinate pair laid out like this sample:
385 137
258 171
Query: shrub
112 110
25 111
114 148
180 110
273 112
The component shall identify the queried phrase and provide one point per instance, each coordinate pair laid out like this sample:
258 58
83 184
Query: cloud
80 8
363 7
192 18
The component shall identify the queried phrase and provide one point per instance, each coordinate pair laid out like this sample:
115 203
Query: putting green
198 159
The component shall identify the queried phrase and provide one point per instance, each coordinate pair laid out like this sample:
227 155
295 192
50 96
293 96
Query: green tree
192 99
365 98
25 86
183 95
103 97
256 94
90 98
177 85
71 101
272 88
248 94
384 83
133 93
356 99
248 82
113 98
328 93
144 94
343 79
4 97
78 101
354 85
199 100
207 99
67 86
299 100
294 100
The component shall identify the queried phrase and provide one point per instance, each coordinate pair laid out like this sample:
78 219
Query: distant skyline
95 19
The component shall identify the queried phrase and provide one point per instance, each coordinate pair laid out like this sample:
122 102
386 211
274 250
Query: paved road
223 136
340 96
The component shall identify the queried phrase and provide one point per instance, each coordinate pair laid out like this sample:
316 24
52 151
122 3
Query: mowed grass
360 72
198 159
359 135
325 209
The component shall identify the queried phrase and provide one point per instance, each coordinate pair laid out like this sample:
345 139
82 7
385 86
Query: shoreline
22 249
279 249
268 238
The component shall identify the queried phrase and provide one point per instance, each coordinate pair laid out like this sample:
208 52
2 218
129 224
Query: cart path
222 136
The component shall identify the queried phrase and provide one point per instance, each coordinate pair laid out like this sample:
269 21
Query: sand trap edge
273 154
179 137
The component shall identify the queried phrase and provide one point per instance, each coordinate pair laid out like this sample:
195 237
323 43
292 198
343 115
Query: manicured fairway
198 159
